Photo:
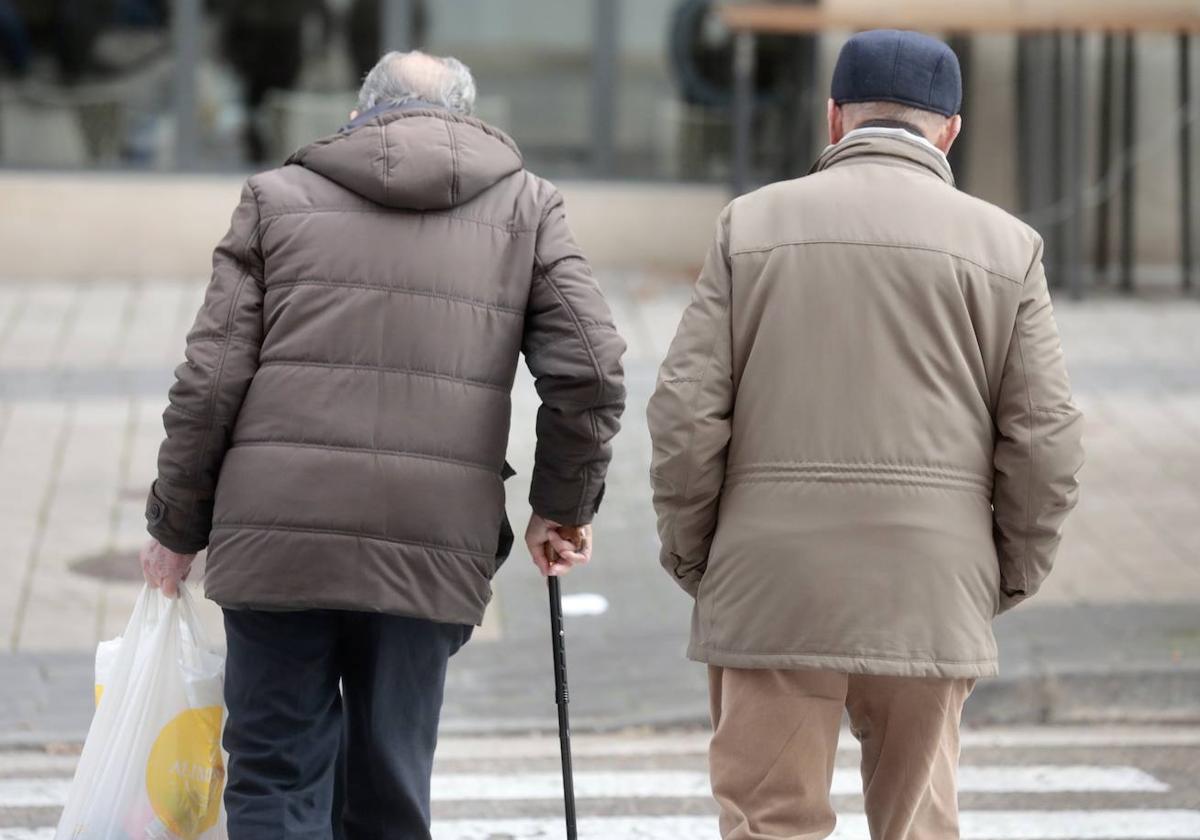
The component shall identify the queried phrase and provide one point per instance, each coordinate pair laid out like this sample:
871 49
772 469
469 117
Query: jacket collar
875 143
379 110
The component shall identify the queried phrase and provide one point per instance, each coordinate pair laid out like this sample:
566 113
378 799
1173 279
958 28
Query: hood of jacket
876 144
414 158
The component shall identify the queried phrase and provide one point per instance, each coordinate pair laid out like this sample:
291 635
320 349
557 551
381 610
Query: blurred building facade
591 89
236 84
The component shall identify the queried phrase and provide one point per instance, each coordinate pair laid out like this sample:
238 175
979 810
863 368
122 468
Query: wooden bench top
784 19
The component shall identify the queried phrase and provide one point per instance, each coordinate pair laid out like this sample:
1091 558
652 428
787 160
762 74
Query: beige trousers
775 740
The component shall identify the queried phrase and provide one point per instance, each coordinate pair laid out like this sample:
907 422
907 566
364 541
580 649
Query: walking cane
559 643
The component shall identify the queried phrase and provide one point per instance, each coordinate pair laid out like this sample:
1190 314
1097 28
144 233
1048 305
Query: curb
1136 696
1130 696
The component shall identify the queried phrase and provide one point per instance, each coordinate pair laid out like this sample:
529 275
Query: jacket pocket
703 606
504 546
505 543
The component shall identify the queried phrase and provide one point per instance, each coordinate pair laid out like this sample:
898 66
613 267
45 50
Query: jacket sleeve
1038 450
221 359
574 353
690 417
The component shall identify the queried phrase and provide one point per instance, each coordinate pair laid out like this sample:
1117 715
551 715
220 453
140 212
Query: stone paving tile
47 317
98 325
80 522
84 370
30 453
156 326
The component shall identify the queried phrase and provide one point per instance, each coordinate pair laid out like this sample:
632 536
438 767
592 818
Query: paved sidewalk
84 371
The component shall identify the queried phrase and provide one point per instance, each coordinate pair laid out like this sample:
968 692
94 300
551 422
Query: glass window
85 83
532 65
274 75
91 83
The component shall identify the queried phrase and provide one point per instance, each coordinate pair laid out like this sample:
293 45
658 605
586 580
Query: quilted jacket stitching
400 290
212 338
258 526
855 467
547 275
375 450
387 211
909 246
426 374
554 342
882 481
453 163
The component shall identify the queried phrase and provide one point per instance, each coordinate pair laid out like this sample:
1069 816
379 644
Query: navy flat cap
894 66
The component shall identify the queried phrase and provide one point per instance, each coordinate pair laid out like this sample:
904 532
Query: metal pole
1073 233
185 42
606 17
395 27
1104 157
1024 123
799 121
959 162
1128 182
812 114
562 699
1055 233
743 109
1185 161
1039 144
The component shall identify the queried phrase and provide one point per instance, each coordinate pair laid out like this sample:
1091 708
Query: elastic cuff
582 515
163 524
156 508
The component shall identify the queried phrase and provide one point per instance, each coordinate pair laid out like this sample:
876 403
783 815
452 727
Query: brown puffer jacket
864 439
336 436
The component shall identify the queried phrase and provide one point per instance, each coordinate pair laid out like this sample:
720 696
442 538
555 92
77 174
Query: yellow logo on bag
185 774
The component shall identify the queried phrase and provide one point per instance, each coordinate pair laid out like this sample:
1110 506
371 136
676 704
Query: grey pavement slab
83 375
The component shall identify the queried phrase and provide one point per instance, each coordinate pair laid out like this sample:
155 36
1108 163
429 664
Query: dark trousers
310 760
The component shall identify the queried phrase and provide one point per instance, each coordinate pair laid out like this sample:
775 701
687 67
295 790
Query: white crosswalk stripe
625 784
36 764
696 743
628 774
33 793
976 825
846 782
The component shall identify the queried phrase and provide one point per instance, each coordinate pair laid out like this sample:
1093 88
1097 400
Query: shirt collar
893 132
877 144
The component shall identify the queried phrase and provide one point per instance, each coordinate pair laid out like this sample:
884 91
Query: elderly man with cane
336 440
865 448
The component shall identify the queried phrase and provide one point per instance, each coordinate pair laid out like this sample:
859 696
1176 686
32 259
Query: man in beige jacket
864 450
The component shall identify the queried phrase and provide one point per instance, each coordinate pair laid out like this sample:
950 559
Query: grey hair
403 77
857 113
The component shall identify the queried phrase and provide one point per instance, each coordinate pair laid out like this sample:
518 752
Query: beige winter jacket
864 439
336 436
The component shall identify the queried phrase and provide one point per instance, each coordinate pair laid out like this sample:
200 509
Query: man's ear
354 115
837 130
949 133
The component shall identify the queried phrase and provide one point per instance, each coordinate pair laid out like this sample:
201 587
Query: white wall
72 226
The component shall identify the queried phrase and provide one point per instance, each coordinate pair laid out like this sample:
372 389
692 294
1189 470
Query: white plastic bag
152 767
